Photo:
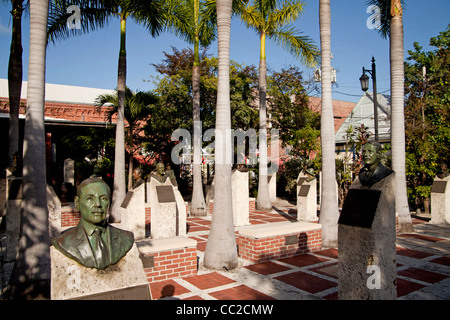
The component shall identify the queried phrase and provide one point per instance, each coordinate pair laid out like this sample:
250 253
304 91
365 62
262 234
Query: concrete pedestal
272 186
168 210
440 201
366 242
134 219
125 280
239 187
306 198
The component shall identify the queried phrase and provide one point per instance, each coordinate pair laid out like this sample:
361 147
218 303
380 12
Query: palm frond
252 17
94 15
298 45
385 15
288 13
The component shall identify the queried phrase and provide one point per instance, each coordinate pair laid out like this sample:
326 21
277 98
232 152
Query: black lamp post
364 79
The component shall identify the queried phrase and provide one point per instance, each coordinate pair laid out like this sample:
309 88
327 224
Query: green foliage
174 90
299 125
427 115
274 19
84 145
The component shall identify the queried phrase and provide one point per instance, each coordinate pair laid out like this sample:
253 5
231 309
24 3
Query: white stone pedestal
134 219
366 242
306 198
440 201
125 280
239 188
272 186
168 210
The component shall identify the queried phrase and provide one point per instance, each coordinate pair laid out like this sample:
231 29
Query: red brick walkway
423 269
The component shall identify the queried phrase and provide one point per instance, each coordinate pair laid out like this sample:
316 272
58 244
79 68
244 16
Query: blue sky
91 60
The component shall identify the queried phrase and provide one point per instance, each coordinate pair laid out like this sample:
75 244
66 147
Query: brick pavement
423 268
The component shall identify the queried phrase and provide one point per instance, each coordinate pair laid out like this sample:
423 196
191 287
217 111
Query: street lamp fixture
364 79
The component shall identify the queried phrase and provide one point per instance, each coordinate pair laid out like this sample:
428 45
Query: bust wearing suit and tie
94 243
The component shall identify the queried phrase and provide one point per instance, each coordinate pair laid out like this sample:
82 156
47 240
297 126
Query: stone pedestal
272 186
306 198
168 210
69 171
54 213
134 219
125 280
239 187
440 201
366 242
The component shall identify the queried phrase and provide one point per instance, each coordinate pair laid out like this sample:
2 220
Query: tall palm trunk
328 208
398 117
198 206
15 79
131 157
263 198
31 275
119 191
220 252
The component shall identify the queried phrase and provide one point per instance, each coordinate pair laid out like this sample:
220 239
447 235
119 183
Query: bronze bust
160 174
373 171
94 243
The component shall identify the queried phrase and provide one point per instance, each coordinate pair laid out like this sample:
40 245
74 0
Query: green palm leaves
272 19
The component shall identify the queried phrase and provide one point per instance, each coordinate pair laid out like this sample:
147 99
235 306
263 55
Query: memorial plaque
301 180
147 261
291 240
140 292
127 199
304 190
359 208
439 186
165 194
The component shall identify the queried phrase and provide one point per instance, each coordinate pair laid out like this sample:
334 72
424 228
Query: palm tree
155 16
15 77
272 21
392 25
31 274
220 252
137 107
198 30
329 211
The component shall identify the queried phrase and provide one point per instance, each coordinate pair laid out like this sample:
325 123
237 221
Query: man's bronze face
160 168
370 155
93 202
136 175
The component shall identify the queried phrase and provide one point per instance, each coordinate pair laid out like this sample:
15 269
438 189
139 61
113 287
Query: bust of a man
443 172
94 243
160 174
137 175
373 171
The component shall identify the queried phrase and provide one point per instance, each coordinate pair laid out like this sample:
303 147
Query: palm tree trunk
131 158
15 79
119 191
31 274
329 212
263 197
220 252
398 118
198 206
